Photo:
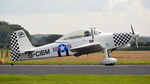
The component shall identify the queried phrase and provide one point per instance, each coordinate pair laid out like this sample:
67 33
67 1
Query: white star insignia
62 47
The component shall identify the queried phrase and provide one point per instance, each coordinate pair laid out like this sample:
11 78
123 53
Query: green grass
74 79
4 53
51 63
73 63
4 50
133 62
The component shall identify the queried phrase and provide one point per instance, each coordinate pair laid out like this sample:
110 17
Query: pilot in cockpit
86 33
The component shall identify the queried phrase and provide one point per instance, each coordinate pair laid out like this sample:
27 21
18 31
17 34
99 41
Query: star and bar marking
62 48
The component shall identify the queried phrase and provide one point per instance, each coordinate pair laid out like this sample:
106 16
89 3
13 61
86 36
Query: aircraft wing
87 48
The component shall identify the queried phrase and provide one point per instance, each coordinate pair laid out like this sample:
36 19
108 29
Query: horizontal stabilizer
27 51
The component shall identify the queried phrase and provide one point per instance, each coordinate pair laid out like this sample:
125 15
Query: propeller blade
136 43
132 30
135 39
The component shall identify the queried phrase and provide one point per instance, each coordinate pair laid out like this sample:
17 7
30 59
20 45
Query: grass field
123 57
72 63
120 55
74 79
4 53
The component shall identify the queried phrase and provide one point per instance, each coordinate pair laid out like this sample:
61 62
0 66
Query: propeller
92 32
134 36
132 29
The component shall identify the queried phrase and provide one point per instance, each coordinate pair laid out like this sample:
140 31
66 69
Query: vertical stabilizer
19 44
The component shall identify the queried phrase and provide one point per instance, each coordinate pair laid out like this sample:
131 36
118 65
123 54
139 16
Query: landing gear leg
106 53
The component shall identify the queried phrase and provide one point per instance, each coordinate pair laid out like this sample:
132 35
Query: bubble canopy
79 34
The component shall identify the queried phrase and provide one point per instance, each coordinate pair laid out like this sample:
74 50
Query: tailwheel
12 64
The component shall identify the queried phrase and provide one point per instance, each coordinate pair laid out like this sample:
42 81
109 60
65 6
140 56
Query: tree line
37 40
42 39
6 29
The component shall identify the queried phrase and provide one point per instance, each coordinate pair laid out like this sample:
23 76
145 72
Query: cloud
121 13
112 3
49 6
54 23
113 16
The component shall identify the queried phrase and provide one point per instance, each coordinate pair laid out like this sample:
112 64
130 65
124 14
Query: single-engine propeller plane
74 44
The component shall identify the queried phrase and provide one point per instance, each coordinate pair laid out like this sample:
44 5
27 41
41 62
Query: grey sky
64 16
50 6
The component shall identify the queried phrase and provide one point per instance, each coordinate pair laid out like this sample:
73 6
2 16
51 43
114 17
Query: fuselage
62 47
74 44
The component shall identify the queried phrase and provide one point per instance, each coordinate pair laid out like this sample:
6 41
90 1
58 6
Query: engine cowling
108 61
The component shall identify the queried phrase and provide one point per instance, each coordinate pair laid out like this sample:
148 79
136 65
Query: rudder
19 44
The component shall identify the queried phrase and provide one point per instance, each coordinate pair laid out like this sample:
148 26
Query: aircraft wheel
109 64
12 64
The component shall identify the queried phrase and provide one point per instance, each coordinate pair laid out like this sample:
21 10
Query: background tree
6 29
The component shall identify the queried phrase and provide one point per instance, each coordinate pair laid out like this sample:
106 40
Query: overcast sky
65 16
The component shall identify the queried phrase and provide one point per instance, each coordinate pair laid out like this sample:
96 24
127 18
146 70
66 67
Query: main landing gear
108 61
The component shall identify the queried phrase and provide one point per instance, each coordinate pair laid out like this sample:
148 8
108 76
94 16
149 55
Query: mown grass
4 50
74 79
73 63
133 62
50 63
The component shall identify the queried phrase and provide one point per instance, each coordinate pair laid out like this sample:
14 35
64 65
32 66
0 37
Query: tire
109 64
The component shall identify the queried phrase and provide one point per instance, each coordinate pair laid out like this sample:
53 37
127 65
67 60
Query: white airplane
76 43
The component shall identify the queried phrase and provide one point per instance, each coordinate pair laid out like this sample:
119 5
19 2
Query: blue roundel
106 44
62 48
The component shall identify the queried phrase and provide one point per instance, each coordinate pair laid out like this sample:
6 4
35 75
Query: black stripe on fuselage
59 53
67 52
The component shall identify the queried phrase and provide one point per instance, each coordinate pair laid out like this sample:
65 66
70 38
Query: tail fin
19 43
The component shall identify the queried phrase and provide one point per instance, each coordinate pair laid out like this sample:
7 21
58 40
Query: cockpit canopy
79 34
